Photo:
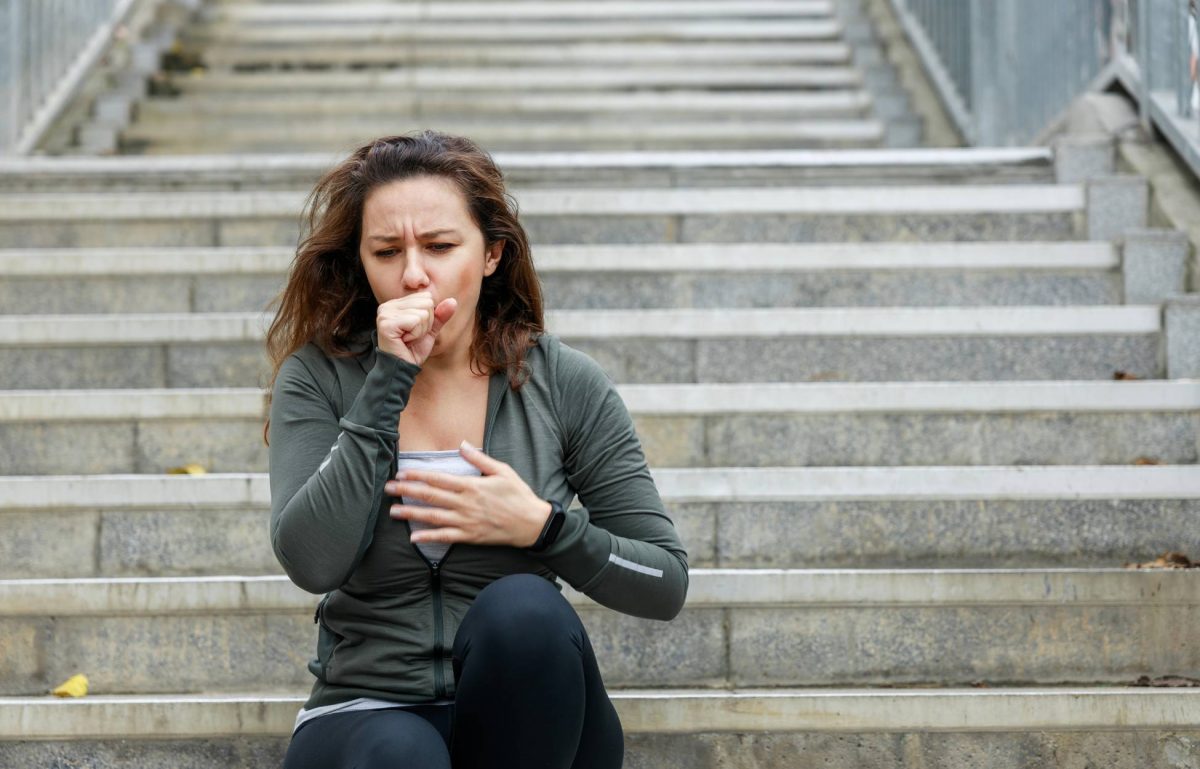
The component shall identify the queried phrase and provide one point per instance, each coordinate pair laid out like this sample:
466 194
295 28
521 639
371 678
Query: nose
414 277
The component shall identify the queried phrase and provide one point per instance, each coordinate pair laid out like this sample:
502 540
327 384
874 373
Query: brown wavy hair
327 299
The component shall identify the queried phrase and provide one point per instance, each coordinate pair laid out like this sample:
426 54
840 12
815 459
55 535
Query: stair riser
729 440
648 361
836 534
222 59
502 134
777 646
870 135
159 117
688 228
520 177
581 291
777 750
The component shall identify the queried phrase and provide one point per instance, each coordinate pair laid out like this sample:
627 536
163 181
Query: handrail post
984 99
1145 70
11 73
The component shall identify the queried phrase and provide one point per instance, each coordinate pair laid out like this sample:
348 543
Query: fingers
442 314
447 481
486 464
410 317
434 516
448 534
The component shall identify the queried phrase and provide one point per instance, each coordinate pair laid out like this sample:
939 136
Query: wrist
548 534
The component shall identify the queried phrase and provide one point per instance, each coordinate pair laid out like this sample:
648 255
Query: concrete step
875 344
519 79
218 56
47 281
878 517
775 168
436 107
531 31
178 135
768 627
759 425
726 214
518 10
1114 727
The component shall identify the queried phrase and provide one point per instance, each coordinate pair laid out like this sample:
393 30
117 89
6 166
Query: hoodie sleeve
621 549
327 474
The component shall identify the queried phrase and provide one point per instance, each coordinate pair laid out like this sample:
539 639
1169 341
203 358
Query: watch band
554 524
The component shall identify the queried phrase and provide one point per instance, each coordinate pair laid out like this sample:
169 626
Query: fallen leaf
1167 681
1147 461
192 469
75 686
1124 376
1168 560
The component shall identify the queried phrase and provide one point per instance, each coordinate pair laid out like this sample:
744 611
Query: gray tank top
449 461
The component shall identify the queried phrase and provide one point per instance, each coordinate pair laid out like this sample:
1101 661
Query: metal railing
1007 69
46 50
1156 60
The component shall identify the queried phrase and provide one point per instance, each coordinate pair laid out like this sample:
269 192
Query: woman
409 333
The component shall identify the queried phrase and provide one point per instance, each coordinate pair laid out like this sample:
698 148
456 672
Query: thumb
442 314
487 465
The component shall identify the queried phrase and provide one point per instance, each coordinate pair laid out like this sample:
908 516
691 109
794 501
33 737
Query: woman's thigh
373 739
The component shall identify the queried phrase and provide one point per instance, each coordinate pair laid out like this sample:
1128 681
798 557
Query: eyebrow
422 236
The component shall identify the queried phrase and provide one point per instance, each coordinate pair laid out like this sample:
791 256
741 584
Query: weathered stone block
152 543
925 358
57 544
77 296
1154 265
224 364
1081 157
644 360
689 651
1116 204
22 666
33 448
1182 322
828 440
830 646
54 368
218 445
701 228
183 653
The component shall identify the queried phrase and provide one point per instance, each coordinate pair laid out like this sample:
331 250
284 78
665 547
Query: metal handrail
1006 71
47 48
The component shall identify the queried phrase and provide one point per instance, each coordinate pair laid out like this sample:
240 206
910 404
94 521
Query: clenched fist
408 326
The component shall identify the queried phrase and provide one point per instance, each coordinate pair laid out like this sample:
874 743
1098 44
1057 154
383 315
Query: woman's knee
520 613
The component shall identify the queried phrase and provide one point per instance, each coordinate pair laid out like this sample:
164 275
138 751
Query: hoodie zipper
435 572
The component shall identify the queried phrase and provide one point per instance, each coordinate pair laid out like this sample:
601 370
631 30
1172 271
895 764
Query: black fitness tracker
554 524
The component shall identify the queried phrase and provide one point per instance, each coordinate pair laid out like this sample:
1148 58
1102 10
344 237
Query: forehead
423 200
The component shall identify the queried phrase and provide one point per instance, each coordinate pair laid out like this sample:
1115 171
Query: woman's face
417 235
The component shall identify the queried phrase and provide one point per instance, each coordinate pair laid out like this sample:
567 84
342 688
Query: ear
491 259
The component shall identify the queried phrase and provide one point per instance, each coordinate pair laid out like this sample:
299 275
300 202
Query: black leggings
528 696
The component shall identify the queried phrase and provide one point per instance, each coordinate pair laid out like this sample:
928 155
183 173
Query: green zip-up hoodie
387 623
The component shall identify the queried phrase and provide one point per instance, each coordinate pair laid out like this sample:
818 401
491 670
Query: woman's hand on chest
496 508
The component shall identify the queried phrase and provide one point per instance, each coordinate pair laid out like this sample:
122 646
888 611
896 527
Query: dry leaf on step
75 686
1168 560
1167 681
192 469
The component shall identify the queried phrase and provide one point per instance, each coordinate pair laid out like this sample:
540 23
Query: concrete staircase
886 393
